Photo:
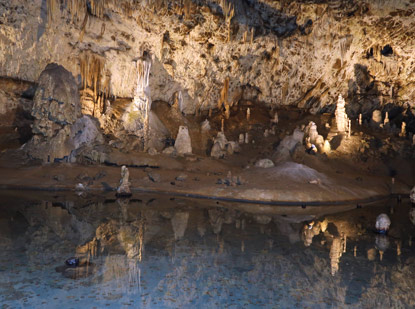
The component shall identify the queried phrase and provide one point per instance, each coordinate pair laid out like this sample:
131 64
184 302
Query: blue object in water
383 232
72 262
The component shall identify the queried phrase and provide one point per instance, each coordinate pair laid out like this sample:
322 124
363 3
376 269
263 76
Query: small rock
152 151
181 177
264 163
154 177
169 151
59 177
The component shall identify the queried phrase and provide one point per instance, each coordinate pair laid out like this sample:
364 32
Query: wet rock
264 163
183 143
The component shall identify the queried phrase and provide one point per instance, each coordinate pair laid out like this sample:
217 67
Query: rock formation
58 127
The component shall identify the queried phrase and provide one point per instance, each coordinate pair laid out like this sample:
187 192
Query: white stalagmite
382 223
124 187
341 117
183 143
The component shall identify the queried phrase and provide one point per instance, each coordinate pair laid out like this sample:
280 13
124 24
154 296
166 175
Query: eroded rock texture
301 53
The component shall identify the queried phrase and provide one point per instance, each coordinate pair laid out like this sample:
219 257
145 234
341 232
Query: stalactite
224 94
51 6
93 79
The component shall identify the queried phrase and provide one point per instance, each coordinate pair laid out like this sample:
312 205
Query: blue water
160 252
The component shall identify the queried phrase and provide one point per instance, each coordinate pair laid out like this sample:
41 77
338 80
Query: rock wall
301 53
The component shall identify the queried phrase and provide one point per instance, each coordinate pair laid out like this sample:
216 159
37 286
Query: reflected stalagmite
179 224
336 251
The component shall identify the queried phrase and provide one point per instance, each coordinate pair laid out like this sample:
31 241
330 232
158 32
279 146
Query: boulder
57 127
264 163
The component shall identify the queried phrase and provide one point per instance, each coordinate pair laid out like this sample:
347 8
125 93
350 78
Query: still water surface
165 252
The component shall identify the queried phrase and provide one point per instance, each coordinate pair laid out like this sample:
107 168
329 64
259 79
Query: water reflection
168 252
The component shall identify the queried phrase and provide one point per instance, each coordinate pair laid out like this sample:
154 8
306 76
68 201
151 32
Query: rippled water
159 251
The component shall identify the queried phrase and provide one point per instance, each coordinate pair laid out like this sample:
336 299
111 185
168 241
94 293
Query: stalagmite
246 138
403 129
183 144
311 132
205 126
341 116
376 118
386 120
382 223
179 224
349 129
241 138
336 251
360 119
274 120
123 189
248 114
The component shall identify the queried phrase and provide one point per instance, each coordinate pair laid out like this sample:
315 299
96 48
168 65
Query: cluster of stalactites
142 92
95 83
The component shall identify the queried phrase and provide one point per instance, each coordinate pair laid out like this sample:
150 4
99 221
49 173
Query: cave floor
311 181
